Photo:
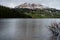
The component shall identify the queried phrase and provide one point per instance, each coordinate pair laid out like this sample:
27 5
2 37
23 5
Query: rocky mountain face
31 6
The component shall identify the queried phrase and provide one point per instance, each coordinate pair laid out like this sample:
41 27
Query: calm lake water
25 29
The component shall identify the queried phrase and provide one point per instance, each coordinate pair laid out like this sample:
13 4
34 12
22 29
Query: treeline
6 12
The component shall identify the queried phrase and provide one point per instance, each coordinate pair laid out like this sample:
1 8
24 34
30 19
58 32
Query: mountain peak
31 6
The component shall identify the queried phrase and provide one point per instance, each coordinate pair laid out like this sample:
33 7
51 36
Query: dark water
25 29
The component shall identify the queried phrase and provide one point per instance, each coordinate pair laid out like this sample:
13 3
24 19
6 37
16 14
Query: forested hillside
40 13
6 12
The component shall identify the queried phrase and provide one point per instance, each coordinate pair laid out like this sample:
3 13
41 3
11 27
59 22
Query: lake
26 29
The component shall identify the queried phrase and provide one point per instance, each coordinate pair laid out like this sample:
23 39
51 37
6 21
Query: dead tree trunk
54 28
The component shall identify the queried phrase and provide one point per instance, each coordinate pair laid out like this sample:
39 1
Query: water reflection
25 29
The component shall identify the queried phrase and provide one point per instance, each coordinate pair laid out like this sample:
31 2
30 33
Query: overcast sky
49 3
